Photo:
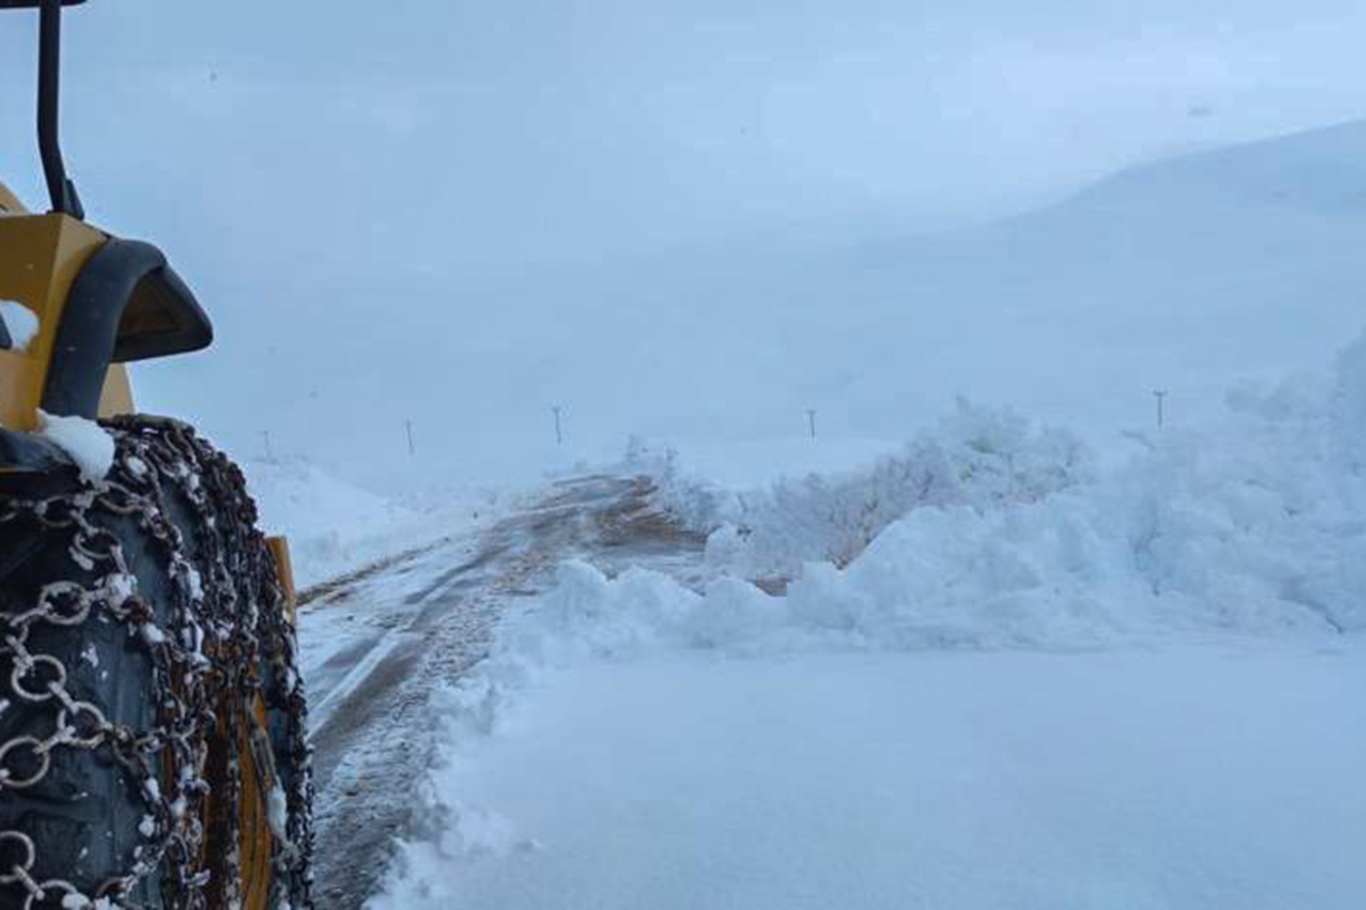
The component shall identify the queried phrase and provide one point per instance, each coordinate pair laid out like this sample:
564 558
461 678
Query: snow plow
152 723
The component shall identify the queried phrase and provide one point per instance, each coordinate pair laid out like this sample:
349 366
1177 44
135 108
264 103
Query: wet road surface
377 644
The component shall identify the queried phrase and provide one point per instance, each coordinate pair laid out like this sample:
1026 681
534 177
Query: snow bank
694 500
1258 525
604 724
756 462
335 527
976 456
1351 404
1051 780
986 532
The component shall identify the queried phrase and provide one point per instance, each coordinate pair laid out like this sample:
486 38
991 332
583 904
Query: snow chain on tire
121 776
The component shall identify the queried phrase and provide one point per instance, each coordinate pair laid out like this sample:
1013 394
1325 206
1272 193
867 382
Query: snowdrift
986 532
1249 535
976 456
335 527
1244 524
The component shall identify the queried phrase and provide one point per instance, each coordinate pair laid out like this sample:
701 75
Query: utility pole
1161 396
559 432
811 421
270 452
412 447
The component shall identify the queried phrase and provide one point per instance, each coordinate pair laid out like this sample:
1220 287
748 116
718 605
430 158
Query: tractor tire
152 726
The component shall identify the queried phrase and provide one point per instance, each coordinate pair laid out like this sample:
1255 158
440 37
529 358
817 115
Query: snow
985 529
335 527
1137 780
1059 684
80 901
278 813
1351 393
743 464
88 444
1256 527
20 322
1190 276
974 456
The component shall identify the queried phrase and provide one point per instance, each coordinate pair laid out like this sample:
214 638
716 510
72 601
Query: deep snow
1213 778
1139 688
987 530
996 665
335 527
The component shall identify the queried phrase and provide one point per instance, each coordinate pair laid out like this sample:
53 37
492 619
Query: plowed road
378 644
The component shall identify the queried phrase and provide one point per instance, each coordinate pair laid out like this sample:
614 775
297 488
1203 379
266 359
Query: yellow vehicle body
40 257
98 302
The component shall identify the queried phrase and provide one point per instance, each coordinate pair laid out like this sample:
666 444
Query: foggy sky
335 178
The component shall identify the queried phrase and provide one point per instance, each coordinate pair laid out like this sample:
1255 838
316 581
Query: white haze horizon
695 221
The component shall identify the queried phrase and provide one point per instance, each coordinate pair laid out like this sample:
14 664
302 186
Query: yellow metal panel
256 842
14 381
251 812
284 569
40 256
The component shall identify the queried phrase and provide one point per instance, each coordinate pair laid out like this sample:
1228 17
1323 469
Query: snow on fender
90 447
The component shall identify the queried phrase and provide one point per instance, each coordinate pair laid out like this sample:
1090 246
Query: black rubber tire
86 816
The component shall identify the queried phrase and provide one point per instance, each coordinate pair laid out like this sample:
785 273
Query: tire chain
211 652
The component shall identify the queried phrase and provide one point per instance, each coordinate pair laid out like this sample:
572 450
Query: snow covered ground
1193 778
336 527
990 663
996 671
1049 684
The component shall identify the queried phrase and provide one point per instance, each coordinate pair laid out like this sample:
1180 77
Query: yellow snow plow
152 722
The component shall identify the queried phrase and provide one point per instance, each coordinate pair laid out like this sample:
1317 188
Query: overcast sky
317 168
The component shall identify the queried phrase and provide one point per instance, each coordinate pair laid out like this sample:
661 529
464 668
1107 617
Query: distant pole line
559 431
1161 396
270 451
811 421
412 446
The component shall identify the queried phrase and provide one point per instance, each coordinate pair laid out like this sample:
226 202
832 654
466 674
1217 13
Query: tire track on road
419 623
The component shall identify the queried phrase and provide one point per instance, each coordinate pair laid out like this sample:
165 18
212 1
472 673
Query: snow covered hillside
1181 275
1093 692
1187 275
1178 275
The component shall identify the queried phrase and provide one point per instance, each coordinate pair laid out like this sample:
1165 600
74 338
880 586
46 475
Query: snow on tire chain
377 644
